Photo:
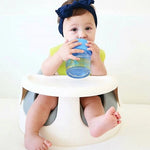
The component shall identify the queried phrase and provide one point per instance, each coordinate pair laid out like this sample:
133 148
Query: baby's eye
88 28
74 29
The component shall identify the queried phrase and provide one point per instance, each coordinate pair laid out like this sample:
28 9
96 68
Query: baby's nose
82 34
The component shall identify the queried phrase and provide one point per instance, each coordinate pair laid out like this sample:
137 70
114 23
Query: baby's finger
88 45
72 45
90 49
73 57
77 51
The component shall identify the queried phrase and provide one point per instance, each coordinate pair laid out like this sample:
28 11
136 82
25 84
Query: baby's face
82 26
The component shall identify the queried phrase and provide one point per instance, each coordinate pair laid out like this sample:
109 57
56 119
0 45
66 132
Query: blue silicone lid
83 47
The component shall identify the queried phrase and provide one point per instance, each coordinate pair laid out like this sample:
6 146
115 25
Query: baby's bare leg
98 121
36 117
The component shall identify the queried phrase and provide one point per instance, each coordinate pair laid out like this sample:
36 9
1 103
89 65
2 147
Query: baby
77 19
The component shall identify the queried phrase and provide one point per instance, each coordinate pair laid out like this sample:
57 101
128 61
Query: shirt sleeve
102 55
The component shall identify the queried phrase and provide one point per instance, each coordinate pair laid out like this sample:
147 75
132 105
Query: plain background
28 29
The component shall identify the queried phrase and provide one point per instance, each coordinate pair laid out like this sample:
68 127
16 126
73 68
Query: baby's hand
66 50
95 50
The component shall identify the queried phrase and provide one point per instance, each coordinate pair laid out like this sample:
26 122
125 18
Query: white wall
28 29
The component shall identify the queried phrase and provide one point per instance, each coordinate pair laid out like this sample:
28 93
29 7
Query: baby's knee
47 100
88 100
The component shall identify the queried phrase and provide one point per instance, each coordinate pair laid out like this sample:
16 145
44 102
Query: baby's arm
97 66
52 63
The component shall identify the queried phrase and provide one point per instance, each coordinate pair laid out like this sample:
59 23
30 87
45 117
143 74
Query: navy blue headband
67 10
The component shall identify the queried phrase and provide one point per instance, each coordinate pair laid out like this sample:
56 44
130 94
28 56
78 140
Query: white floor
133 135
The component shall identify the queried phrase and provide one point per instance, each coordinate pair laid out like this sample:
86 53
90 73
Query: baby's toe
117 115
111 111
44 147
47 143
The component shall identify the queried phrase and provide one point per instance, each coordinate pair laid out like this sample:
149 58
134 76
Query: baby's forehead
86 18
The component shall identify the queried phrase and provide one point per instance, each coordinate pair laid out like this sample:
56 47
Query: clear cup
80 68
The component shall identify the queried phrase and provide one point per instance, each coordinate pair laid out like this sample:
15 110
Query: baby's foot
117 115
101 124
35 142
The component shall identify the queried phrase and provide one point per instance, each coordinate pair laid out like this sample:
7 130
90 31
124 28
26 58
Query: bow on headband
67 10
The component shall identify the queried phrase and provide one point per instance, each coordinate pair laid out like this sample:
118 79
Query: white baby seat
66 127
